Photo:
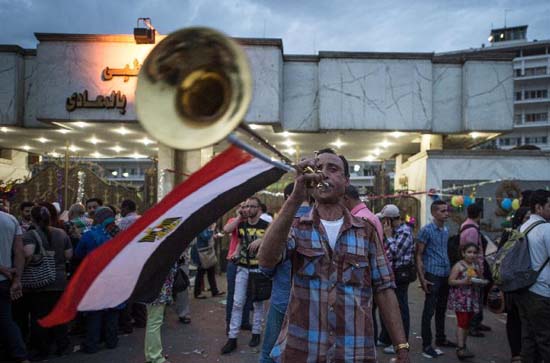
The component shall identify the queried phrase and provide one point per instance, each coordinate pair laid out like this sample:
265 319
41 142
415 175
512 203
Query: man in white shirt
128 212
534 304
12 260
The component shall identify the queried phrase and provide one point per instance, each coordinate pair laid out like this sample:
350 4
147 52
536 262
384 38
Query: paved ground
201 340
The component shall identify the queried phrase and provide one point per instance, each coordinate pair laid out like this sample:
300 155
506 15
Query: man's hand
16 290
254 246
426 285
305 178
8 272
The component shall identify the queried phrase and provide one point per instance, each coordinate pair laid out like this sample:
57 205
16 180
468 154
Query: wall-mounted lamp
146 33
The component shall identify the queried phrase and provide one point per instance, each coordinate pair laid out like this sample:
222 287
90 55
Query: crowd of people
335 274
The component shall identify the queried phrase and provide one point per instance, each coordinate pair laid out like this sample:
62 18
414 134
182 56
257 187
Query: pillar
174 166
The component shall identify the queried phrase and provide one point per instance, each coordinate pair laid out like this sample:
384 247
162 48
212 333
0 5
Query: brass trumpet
194 89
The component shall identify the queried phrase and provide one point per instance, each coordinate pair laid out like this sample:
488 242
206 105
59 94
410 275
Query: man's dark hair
525 195
288 190
113 208
474 211
352 192
97 200
129 205
26 205
437 203
257 200
519 216
539 196
344 161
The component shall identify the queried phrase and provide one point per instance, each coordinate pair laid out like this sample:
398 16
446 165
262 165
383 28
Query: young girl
464 295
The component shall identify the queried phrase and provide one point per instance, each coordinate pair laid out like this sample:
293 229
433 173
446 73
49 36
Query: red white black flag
135 263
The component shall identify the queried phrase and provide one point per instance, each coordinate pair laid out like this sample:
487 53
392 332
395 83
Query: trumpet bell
194 88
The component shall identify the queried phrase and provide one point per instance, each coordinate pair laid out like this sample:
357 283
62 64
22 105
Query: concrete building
369 106
531 77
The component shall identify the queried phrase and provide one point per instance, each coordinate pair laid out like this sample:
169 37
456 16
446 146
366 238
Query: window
534 117
517 118
518 96
533 94
535 71
533 140
518 72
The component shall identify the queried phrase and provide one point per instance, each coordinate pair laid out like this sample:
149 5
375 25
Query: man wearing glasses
249 230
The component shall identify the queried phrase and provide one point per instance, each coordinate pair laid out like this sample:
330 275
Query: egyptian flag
135 263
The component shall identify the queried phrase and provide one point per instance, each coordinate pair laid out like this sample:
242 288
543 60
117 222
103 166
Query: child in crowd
464 295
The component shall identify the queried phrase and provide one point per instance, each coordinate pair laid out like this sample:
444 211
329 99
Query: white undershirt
332 228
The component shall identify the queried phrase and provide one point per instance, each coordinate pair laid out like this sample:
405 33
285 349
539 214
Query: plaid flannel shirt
400 247
329 315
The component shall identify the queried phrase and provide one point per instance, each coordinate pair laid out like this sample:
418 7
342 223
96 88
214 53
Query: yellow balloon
515 204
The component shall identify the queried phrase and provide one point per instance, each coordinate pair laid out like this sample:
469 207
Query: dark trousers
139 314
211 274
513 323
534 312
231 273
402 295
41 339
21 310
478 317
435 302
10 334
101 324
125 319
375 321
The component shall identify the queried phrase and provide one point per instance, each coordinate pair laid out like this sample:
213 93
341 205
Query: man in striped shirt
339 265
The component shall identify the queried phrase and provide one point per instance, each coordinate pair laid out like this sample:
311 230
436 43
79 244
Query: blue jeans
102 323
435 302
231 273
272 329
11 335
402 295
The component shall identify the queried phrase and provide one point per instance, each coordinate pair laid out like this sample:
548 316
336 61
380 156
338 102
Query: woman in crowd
101 323
204 240
44 299
155 319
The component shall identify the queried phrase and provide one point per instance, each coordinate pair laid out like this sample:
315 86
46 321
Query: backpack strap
532 226
468 226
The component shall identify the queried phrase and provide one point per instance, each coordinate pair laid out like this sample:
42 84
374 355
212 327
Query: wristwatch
402 346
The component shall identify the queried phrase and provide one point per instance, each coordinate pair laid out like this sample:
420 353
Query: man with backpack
470 233
534 302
